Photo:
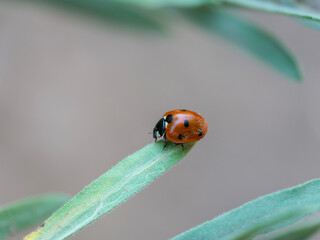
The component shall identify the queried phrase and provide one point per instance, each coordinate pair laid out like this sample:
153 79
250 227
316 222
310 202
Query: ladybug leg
164 137
181 144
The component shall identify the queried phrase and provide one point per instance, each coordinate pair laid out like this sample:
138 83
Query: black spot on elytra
180 136
186 123
183 110
169 118
200 132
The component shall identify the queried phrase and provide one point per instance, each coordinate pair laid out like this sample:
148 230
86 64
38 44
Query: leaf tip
296 75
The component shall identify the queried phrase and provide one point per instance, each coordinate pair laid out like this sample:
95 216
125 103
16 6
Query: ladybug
180 126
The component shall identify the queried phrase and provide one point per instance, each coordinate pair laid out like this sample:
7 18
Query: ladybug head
159 129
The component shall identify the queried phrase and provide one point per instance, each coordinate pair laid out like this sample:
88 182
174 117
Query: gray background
77 96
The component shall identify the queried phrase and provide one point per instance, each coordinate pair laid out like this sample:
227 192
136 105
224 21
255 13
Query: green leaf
311 24
258 212
168 3
299 231
247 36
112 12
111 189
28 212
275 7
279 216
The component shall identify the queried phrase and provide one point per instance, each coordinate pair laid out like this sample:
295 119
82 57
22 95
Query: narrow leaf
249 37
311 24
277 218
111 189
28 212
112 12
299 231
275 7
258 212
167 3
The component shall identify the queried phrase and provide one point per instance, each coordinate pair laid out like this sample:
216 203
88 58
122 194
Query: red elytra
181 126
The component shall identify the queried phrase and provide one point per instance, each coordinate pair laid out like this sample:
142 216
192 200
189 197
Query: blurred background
78 95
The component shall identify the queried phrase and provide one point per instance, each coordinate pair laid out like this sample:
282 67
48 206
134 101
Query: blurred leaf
113 12
279 216
28 212
311 24
247 36
275 7
111 189
258 212
168 3
299 231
